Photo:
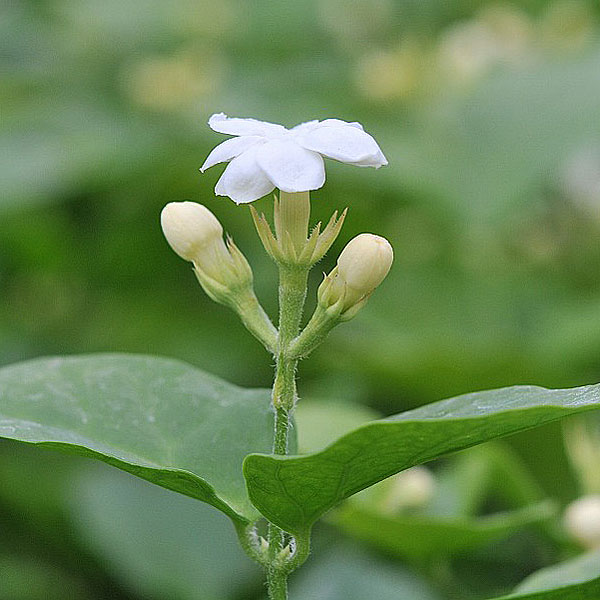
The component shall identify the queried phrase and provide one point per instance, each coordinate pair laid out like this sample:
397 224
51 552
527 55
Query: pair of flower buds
196 235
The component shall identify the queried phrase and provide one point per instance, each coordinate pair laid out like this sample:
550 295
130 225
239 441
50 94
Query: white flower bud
361 267
196 235
582 520
220 267
189 228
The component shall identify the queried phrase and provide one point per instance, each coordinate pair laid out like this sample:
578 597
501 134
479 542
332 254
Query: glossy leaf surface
159 419
295 491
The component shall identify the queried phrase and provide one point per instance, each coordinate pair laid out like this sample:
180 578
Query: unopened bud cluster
224 273
361 267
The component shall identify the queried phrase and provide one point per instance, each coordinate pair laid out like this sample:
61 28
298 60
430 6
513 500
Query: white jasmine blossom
265 156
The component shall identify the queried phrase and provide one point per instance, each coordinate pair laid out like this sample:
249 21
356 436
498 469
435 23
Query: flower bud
582 520
361 267
189 228
196 235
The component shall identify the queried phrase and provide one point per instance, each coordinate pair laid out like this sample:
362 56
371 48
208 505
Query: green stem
277 585
317 329
282 425
292 293
255 319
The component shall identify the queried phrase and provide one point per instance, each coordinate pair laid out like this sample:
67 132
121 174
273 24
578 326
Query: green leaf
423 536
576 579
294 491
159 419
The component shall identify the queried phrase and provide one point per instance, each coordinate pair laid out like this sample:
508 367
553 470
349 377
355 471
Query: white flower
265 156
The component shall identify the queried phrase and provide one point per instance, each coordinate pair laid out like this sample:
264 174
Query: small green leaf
294 491
423 536
157 418
576 579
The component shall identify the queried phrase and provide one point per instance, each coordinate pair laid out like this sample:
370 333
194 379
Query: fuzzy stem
277 585
255 319
292 293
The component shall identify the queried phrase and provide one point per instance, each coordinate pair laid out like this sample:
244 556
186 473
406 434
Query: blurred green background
489 115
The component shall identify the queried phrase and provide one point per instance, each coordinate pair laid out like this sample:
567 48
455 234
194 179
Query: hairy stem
292 293
255 319
277 585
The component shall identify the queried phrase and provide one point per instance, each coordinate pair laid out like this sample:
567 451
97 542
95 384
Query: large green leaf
295 491
576 579
160 419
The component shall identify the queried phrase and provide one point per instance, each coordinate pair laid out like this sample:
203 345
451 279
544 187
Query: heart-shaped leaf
294 491
576 579
160 419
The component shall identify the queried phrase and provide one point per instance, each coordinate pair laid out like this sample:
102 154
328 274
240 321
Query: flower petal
243 180
345 142
290 167
379 160
221 123
229 149
304 127
340 122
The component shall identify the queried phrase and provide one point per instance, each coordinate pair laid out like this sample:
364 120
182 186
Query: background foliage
489 115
